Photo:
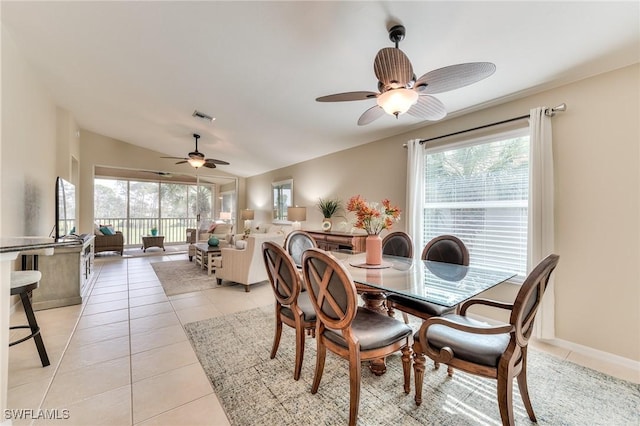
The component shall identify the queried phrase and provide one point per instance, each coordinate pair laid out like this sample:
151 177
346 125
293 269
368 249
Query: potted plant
154 231
329 207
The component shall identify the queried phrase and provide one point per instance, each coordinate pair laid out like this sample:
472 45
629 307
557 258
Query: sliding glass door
135 207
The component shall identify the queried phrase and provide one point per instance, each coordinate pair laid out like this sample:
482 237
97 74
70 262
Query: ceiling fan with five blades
196 158
400 92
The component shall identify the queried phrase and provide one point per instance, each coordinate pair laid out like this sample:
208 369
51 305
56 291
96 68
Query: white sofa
244 264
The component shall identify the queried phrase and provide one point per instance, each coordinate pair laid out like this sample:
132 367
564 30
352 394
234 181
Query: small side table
152 241
204 256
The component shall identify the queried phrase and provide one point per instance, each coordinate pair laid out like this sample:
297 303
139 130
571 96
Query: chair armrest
445 354
487 302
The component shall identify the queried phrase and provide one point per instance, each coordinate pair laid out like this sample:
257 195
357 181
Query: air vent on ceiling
202 115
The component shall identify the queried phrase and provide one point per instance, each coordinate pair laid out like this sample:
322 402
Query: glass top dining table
444 284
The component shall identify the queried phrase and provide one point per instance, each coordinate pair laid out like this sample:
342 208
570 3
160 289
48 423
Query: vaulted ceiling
136 71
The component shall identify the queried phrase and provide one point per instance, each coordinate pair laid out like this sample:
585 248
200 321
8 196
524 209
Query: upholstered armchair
244 263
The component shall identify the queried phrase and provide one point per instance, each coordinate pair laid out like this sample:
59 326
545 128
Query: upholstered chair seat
305 305
372 330
414 305
484 349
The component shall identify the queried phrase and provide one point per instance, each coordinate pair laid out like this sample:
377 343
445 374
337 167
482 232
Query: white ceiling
136 71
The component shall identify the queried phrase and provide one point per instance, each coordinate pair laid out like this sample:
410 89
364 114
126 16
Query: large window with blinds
478 190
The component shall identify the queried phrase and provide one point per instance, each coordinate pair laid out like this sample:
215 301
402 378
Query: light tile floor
122 357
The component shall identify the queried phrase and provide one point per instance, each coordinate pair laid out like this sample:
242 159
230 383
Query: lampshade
397 101
297 214
247 214
196 162
225 215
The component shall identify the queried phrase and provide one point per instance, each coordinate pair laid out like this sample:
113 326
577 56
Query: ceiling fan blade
429 108
453 77
175 158
348 96
370 115
209 165
214 161
182 162
393 68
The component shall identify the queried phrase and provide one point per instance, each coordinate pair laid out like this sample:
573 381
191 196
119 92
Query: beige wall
597 171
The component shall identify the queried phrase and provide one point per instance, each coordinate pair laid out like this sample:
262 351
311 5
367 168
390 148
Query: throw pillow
241 244
107 231
212 227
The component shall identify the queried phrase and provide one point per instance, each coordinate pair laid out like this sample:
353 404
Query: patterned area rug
254 389
182 276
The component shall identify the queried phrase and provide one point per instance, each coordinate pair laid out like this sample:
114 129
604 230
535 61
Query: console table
331 241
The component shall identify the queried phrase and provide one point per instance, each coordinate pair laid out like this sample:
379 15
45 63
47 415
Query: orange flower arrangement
373 217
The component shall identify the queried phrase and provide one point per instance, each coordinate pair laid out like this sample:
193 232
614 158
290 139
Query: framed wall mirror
282 197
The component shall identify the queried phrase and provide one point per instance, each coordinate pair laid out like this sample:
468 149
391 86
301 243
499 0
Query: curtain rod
549 112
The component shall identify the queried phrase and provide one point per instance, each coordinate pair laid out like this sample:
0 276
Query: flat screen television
65 208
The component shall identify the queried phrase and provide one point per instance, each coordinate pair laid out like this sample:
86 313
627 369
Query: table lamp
296 215
247 215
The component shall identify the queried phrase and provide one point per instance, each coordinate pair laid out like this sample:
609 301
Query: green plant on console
329 206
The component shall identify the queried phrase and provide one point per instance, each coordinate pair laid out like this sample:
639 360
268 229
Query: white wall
28 147
27 172
597 171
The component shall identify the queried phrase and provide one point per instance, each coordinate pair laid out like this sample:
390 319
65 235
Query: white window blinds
478 191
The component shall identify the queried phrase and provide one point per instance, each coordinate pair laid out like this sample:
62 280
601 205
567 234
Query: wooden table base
374 300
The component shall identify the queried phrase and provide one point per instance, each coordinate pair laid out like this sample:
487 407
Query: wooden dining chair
296 243
351 332
397 243
293 306
444 248
494 351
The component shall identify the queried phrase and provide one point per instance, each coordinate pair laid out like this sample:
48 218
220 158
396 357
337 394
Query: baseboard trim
595 353
580 349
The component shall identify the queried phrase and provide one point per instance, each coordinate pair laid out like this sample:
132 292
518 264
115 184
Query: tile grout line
130 346
66 346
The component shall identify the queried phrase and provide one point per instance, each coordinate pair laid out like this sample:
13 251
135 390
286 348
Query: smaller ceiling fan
401 92
196 158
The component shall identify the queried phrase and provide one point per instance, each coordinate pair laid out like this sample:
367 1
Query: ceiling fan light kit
196 162
397 101
196 159
401 92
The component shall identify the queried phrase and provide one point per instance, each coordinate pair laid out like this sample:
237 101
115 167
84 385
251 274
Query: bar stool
22 283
